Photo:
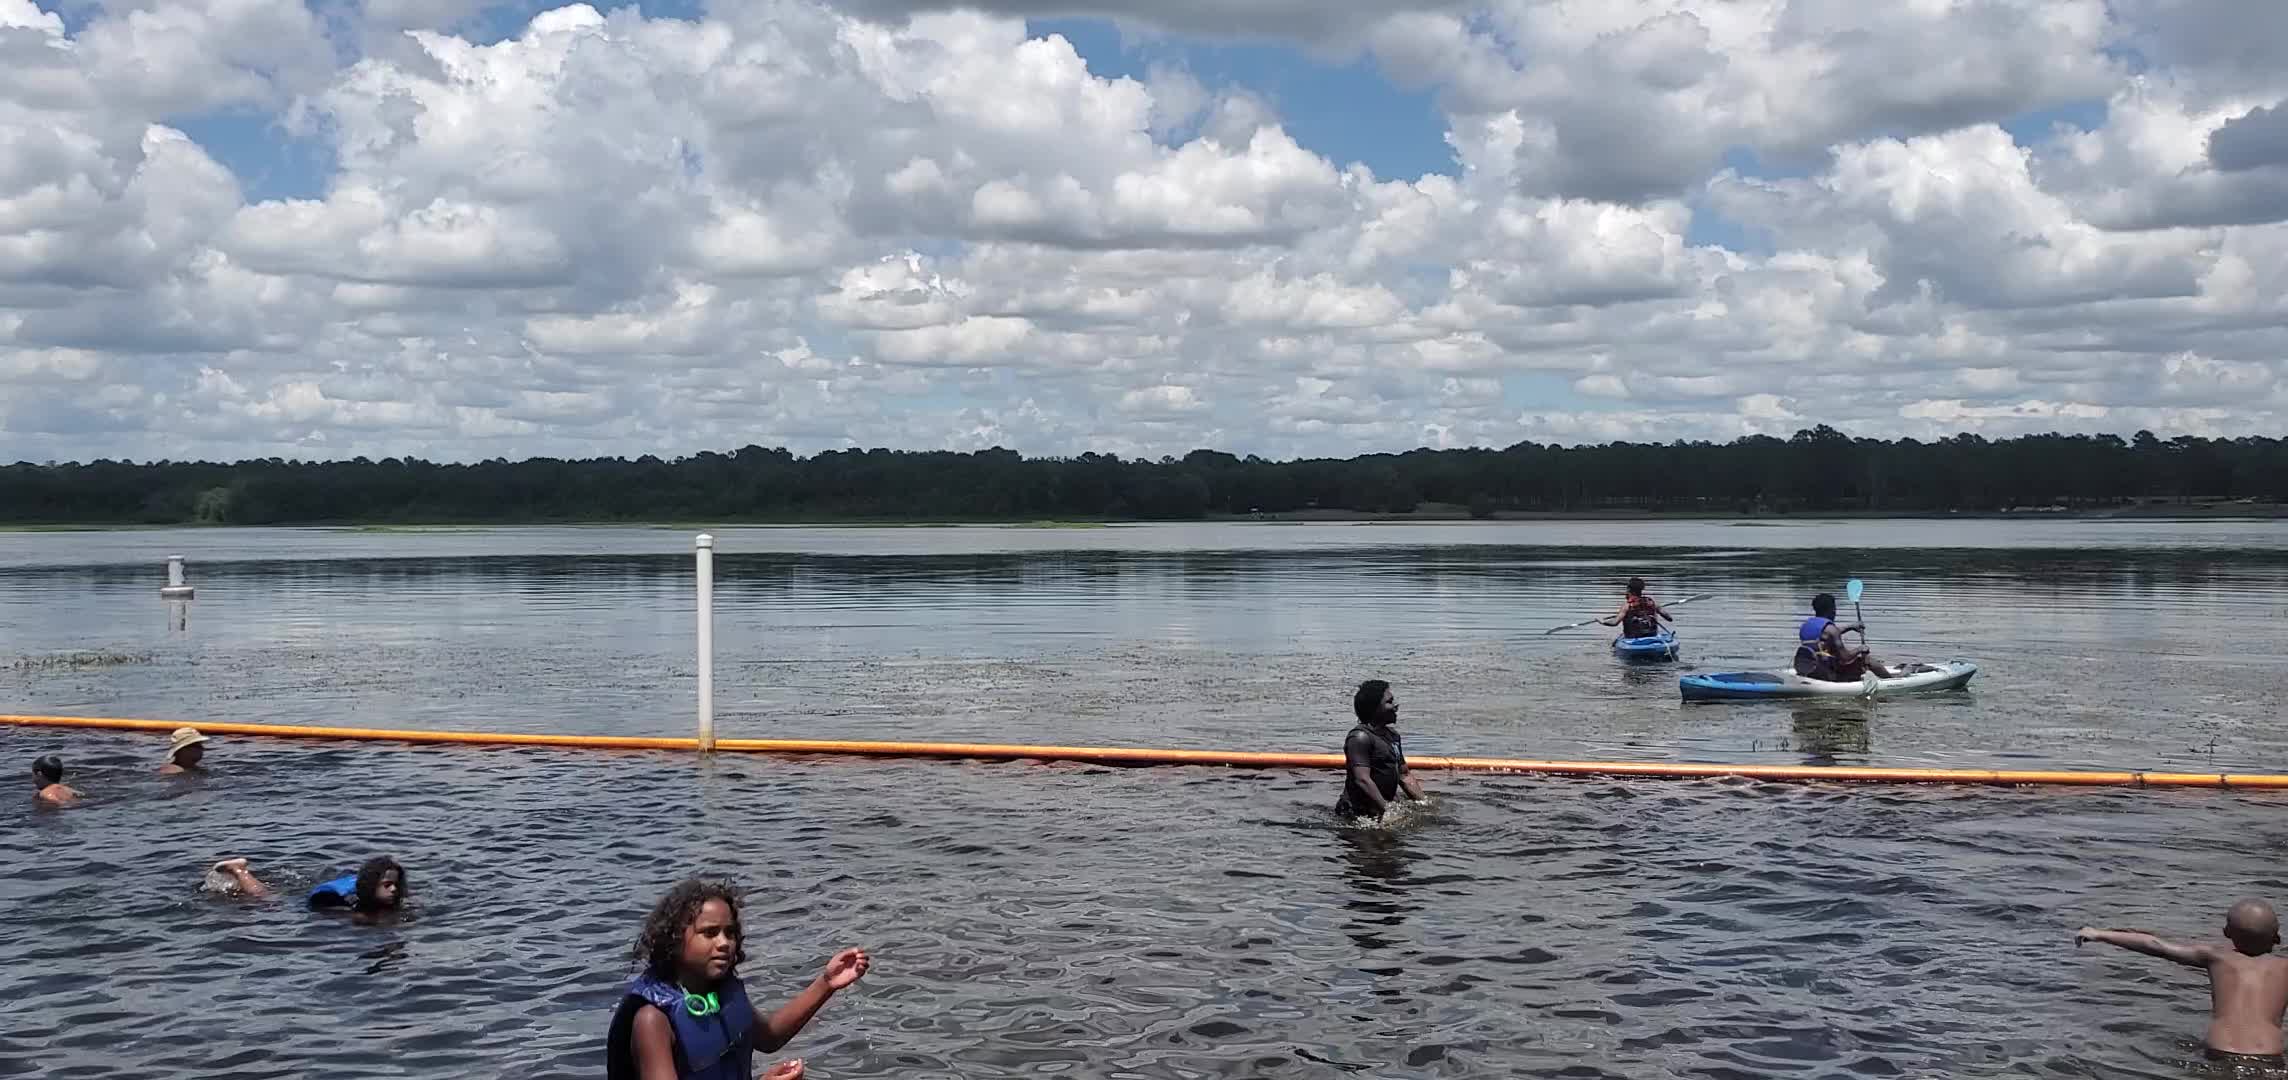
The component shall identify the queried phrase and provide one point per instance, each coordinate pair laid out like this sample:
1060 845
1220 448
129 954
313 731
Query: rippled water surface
1061 920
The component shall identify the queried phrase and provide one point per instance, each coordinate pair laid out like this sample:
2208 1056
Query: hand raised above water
785 1070
846 967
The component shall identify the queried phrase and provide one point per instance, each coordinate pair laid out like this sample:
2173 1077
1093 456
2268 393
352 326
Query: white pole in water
706 557
175 589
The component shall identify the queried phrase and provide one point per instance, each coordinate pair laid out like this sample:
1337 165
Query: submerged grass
86 658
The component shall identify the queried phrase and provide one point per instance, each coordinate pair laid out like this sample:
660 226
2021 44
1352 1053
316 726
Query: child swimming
686 1015
377 891
2248 986
48 783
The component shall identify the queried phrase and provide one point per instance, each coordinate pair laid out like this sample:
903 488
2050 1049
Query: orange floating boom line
1117 755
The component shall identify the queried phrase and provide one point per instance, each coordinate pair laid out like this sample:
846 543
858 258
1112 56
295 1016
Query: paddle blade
1852 589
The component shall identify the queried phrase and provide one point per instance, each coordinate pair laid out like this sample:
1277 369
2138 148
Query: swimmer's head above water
1374 703
380 884
692 936
1636 586
47 770
2252 927
185 749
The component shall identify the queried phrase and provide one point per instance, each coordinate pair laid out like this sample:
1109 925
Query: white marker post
706 557
175 589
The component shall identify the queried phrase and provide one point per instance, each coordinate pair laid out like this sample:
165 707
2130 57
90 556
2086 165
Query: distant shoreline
1428 514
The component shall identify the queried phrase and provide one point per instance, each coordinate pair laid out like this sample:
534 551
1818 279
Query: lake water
1157 922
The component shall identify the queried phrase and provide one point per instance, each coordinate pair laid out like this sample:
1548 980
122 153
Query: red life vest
1637 619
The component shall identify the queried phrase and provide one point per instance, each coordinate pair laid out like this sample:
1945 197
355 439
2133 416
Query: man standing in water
2248 986
1374 762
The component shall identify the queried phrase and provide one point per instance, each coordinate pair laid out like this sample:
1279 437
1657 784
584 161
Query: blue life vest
1809 637
340 892
720 1046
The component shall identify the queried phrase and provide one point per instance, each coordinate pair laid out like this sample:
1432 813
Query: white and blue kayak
1767 685
1660 646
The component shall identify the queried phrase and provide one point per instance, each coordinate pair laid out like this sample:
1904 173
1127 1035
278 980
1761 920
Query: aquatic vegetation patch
85 658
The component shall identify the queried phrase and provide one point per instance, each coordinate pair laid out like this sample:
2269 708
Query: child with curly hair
376 893
686 1015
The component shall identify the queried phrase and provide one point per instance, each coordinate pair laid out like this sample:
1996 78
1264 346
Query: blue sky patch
1344 112
270 163
2028 129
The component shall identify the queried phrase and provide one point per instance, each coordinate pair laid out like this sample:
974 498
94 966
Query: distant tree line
1819 470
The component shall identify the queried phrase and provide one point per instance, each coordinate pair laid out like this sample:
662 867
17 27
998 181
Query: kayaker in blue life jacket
1820 652
686 1016
1639 616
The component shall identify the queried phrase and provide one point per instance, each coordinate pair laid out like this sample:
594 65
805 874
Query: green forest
1820 470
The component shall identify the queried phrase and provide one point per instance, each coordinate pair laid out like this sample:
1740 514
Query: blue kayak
1660 646
1767 685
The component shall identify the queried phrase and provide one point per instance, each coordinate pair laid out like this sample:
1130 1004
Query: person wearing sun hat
184 750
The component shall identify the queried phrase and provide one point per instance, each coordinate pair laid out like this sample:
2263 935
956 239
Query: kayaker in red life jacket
1820 652
1639 616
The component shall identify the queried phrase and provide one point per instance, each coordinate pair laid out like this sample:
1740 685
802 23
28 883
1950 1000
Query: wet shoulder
2269 969
1368 742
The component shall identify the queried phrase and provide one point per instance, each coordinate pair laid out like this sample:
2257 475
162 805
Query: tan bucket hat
183 736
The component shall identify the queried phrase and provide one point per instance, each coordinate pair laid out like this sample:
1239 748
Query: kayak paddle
1852 589
1602 618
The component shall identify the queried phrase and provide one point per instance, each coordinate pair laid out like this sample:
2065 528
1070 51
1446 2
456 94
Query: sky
461 231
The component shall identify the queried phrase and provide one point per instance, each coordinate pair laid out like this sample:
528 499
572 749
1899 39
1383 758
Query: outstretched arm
788 1020
2140 942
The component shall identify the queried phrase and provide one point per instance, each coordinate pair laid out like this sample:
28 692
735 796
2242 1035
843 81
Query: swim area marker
1114 755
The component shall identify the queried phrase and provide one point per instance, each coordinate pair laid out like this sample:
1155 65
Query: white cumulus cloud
910 223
